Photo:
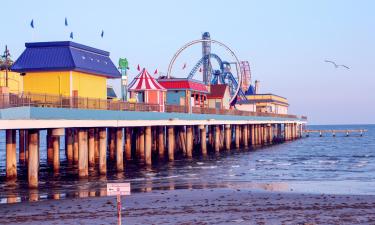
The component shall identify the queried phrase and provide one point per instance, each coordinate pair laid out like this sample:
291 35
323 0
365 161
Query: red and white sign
114 189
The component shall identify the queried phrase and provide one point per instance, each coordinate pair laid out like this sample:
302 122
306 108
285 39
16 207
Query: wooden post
33 164
209 129
83 169
56 153
228 138
161 146
237 136
21 137
75 145
128 145
203 139
91 152
189 141
148 145
171 143
102 151
119 150
11 154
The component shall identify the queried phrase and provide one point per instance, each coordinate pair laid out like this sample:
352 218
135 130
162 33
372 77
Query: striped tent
144 81
145 89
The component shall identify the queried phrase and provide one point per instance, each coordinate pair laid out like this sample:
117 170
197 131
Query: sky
286 43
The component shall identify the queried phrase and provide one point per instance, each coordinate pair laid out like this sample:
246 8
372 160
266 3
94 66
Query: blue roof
250 91
65 56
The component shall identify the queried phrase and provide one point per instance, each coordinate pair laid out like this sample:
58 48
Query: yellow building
65 68
269 103
15 81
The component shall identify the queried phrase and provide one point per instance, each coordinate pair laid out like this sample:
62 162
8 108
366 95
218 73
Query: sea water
330 165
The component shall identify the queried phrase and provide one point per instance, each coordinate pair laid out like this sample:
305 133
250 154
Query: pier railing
59 101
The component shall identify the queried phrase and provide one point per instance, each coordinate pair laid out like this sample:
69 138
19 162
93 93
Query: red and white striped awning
144 81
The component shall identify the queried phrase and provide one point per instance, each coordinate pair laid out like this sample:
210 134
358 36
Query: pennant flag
184 66
200 69
156 71
71 35
66 22
138 68
32 23
102 34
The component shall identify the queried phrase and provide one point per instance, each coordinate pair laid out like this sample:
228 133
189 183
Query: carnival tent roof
144 81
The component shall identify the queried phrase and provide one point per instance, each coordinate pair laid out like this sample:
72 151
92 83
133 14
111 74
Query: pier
115 132
347 132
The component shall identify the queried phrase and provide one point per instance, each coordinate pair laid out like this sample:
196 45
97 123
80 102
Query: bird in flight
335 64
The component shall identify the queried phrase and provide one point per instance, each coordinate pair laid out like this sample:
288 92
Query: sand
198 206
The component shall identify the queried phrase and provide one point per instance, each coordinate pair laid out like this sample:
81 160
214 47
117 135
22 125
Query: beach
198 206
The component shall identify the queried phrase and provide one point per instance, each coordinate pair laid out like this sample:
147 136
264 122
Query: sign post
118 189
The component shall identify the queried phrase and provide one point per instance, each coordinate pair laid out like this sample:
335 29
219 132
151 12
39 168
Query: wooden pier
116 135
334 132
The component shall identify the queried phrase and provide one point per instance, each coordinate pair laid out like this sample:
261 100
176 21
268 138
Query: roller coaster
212 76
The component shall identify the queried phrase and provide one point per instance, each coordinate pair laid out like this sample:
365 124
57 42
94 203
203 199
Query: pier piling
119 150
102 151
148 145
11 154
171 140
83 169
33 164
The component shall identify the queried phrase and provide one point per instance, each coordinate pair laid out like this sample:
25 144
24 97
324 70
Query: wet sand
202 206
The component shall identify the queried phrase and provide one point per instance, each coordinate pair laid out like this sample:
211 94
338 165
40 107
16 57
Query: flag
71 35
102 34
156 71
184 66
138 68
66 22
32 23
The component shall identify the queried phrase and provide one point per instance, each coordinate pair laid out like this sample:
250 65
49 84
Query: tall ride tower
206 51
124 66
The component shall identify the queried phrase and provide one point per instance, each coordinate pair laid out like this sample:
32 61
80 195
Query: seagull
336 65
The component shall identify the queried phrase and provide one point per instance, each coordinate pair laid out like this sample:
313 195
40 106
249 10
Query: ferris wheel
228 73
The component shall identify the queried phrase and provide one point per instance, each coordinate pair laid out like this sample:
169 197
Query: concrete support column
210 138
161 146
96 144
279 132
252 127
83 169
33 164
228 137
203 139
171 140
245 136
237 136
75 145
270 132
141 144
112 143
49 147
11 154
56 153
102 151
119 150
128 145
69 144
22 152
189 141
91 133
148 145
217 138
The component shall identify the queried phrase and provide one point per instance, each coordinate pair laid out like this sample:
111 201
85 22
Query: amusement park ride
237 80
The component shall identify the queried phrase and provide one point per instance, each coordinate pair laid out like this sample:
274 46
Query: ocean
329 165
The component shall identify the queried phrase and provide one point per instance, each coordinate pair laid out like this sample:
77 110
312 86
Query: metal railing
59 101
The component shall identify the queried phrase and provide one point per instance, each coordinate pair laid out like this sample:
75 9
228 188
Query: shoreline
198 206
